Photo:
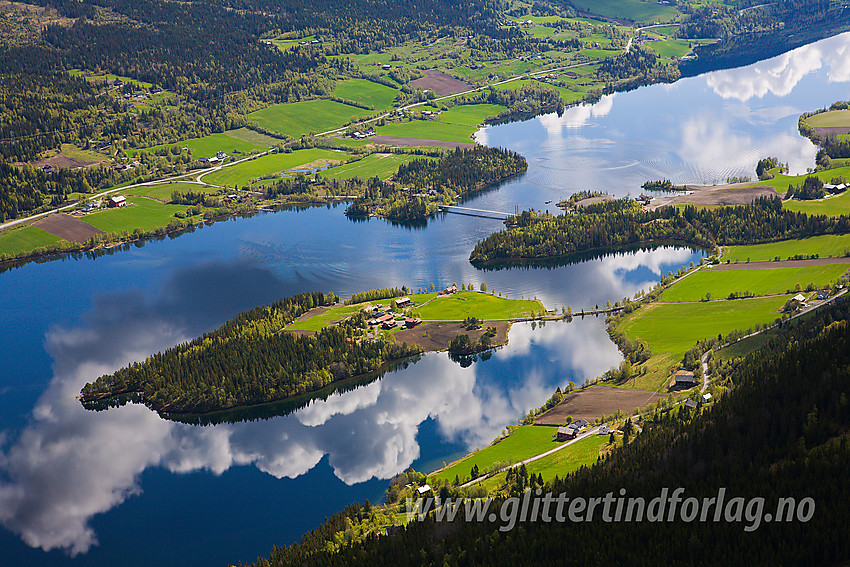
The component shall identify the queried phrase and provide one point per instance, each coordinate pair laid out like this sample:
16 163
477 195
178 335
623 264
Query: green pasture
830 119
831 206
323 318
163 191
242 140
524 442
720 283
429 130
634 10
463 304
270 164
381 165
675 327
367 92
143 213
298 118
24 239
824 246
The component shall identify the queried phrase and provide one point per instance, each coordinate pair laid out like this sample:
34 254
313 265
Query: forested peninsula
623 222
251 360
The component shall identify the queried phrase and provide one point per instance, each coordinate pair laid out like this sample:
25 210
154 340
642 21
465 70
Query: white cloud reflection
781 74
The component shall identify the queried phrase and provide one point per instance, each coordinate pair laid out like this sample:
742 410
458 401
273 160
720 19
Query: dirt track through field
781 264
394 141
440 83
597 401
67 227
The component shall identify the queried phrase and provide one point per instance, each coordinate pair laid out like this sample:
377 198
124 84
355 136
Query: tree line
624 222
251 360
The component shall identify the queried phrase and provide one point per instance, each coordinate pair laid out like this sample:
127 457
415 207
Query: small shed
564 433
423 490
823 294
706 398
691 404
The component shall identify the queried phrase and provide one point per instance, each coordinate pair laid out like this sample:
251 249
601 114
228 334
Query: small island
306 342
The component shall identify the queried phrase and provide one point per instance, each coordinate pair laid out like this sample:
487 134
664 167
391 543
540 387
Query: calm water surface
87 488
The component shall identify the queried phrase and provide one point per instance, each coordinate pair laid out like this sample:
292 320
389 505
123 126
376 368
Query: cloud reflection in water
68 464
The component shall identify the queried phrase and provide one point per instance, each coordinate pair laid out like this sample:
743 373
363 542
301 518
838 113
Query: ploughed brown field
597 401
440 83
732 194
396 141
436 336
67 227
60 161
825 131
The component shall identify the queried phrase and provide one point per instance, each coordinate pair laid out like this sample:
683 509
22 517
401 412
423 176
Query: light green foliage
24 239
759 282
299 118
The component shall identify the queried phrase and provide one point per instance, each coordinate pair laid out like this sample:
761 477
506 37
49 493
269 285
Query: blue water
99 488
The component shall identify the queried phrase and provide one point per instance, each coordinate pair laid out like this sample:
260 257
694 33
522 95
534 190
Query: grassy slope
367 92
824 246
760 282
24 239
831 206
300 118
163 191
321 320
270 164
525 441
241 140
143 213
465 304
674 328
833 118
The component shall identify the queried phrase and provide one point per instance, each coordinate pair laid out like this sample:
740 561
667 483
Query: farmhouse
389 324
411 322
117 201
565 433
706 398
685 378
386 67
424 489
403 301
800 298
578 424
690 405
823 294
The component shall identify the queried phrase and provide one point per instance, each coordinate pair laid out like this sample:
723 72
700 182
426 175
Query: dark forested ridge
250 360
624 222
420 186
780 432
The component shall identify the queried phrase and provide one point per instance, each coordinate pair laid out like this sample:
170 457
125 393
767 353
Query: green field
830 206
580 453
675 327
367 92
760 282
324 318
634 10
24 239
271 164
671 47
299 118
142 213
242 140
525 441
381 165
163 191
429 130
832 118
463 304
824 246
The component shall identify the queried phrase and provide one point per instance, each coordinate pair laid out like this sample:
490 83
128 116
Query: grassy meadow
381 165
367 92
143 213
24 239
463 304
825 246
271 164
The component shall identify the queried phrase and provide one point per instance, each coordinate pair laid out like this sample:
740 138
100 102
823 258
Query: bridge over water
476 212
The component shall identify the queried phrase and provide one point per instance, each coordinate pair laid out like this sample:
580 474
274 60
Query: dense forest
420 186
624 222
251 360
778 433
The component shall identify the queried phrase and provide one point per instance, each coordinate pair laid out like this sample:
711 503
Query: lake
99 488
